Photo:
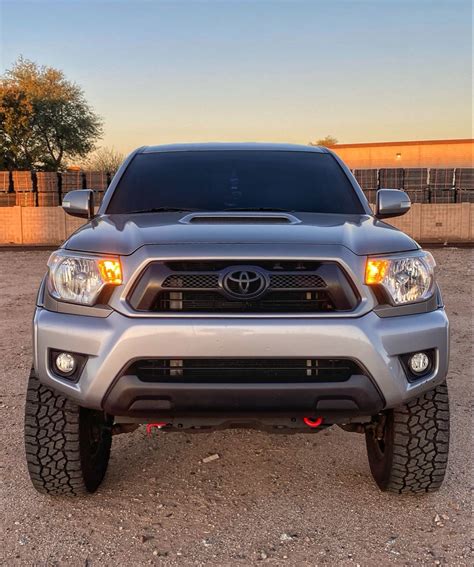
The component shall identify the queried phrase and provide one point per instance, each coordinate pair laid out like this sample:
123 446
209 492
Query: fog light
419 363
65 363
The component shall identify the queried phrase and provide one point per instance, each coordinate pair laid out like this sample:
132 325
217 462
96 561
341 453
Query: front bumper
112 342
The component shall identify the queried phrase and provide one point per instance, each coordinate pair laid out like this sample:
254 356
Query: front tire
67 446
408 446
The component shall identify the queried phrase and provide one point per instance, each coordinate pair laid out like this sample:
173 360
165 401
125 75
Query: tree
104 159
44 118
328 142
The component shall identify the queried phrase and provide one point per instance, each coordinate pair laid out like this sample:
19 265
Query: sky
290 71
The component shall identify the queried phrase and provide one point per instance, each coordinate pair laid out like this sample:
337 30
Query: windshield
235 180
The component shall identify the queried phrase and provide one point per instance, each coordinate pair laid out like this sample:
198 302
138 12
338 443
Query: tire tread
52 441
420 443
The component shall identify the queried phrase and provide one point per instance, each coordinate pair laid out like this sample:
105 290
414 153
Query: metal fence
423 185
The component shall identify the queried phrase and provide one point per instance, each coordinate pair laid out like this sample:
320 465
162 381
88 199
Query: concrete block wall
438 223
35 226
11 229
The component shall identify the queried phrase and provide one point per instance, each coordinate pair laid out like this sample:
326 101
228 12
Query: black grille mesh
306 281
211 281
241 370
192 281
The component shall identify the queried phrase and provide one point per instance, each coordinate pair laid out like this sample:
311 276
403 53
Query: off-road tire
408 452
67 446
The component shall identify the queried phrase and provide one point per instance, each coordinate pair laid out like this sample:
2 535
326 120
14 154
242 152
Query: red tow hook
151 426
310 422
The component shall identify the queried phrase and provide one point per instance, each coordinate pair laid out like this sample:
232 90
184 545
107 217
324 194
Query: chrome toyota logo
244 282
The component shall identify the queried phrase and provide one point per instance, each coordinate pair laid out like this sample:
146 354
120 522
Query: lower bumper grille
248 370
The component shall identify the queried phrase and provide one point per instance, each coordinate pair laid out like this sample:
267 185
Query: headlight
405 279
80 279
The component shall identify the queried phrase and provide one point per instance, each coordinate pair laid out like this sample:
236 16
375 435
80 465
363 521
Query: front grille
291 286
294 301
244 370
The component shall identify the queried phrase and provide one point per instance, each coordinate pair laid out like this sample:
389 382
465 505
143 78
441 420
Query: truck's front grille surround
244 370
198 287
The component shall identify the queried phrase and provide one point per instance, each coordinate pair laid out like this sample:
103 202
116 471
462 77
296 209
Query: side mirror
79 203
391 203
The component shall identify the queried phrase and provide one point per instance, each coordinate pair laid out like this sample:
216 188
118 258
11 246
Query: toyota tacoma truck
238 285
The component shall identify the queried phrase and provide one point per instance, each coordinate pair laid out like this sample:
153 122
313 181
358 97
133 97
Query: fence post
34 181
60 188
454 185
430 194
10 182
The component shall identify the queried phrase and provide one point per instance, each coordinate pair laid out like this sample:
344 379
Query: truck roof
247 146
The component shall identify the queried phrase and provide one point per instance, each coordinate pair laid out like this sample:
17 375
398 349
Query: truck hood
124 234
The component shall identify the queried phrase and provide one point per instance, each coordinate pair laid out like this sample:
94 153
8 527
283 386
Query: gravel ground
275 499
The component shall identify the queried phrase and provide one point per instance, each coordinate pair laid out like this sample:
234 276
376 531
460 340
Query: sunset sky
273 70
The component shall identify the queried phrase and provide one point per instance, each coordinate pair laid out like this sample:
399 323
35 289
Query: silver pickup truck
238 285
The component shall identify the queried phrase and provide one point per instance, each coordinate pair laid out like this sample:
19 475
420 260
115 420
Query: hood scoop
237 217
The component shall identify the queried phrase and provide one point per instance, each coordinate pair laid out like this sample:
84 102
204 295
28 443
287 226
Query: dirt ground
271 499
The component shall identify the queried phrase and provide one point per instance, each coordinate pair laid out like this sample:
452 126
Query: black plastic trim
132 398
411 376
74 377
51 304
41 292
386 310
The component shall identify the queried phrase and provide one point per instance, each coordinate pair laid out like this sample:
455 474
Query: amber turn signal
111 271
375 271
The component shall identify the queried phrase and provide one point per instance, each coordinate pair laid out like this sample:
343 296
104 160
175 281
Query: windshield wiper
164 210
259 209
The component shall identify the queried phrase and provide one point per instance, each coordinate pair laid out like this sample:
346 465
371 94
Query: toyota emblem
244 282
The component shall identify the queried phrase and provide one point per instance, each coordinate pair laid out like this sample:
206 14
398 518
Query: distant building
424 153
